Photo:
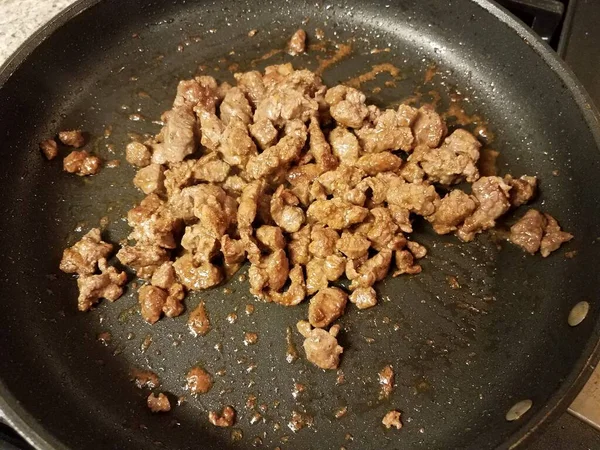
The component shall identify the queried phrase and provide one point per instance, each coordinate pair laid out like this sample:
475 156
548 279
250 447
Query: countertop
20 18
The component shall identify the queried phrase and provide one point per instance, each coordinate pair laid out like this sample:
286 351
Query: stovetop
571 28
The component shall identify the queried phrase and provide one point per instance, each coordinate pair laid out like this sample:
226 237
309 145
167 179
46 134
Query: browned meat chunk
364 297
344 145
81 163
225 419
138 154
405 262
336 213
492 193
297 43
248 206
237 147
173 306
390 133
143 258
429 127
159 403
198 381
83 256
323 241
554 237
452 211
326 306
211 129
321 347
107 285
316 278
295 293
201 92
199 322
340 181
49 149
197 277
455 161
177 138
347 106
276 157
419 251
285 212
271 272
164 277
392 419
264 133
152 300
379 228
298 246
235 104
72 138
150 179
252 84
153 223
320 148
210 169
528 232
522 189
374 163
334 267
270 237
418 198
353 245
371 271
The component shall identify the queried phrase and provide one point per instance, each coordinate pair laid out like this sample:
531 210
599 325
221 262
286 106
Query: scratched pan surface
462 356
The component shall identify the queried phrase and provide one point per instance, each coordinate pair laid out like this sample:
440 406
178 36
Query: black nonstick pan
463 357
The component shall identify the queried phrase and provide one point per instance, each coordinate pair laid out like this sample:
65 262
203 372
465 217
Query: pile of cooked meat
309 184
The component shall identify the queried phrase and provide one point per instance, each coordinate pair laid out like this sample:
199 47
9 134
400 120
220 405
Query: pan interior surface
463 357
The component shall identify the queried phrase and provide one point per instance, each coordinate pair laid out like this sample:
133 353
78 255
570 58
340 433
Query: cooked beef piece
429 127
321 347
198 321
279 156
264 133
492 193
455 161
334 267
252 84
323 241
158 403
320 148
402 217
326 306
316 279
235 104
173 306
380 228
107 285
294 294
390 133
285 210
392 419
353 245
211 129
364 297
197 277
298 246
522 189
344 145
528 232
81 163
372 270
270 237
72 138
405 263
177 139
419 251
248 206
340 181
297 43
554 237
374 163
211 169
347 106
407 115
198 381
83 256
451 211
164 277
225 419
336 213
143 258
150 179
138 154
233 250
153 223
49 148
417 198
270 273
152 299
200 92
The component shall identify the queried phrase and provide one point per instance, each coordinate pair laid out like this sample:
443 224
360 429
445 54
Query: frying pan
463 357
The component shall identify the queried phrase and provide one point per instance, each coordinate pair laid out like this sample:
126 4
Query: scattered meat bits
321 347
225 419
49 149
364 297
81 163
392 419
297 43
72 138
199 381
536 231
158 403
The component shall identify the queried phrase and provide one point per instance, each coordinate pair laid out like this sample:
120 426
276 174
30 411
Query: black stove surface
571 27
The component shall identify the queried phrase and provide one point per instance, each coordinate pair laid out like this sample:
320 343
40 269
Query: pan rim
37 436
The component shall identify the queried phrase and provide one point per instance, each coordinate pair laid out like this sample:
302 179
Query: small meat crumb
297 43
250 338
386 380
158 403
49 148
252 33
144 379
392 419
225 419
81 163
72 138
199 381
